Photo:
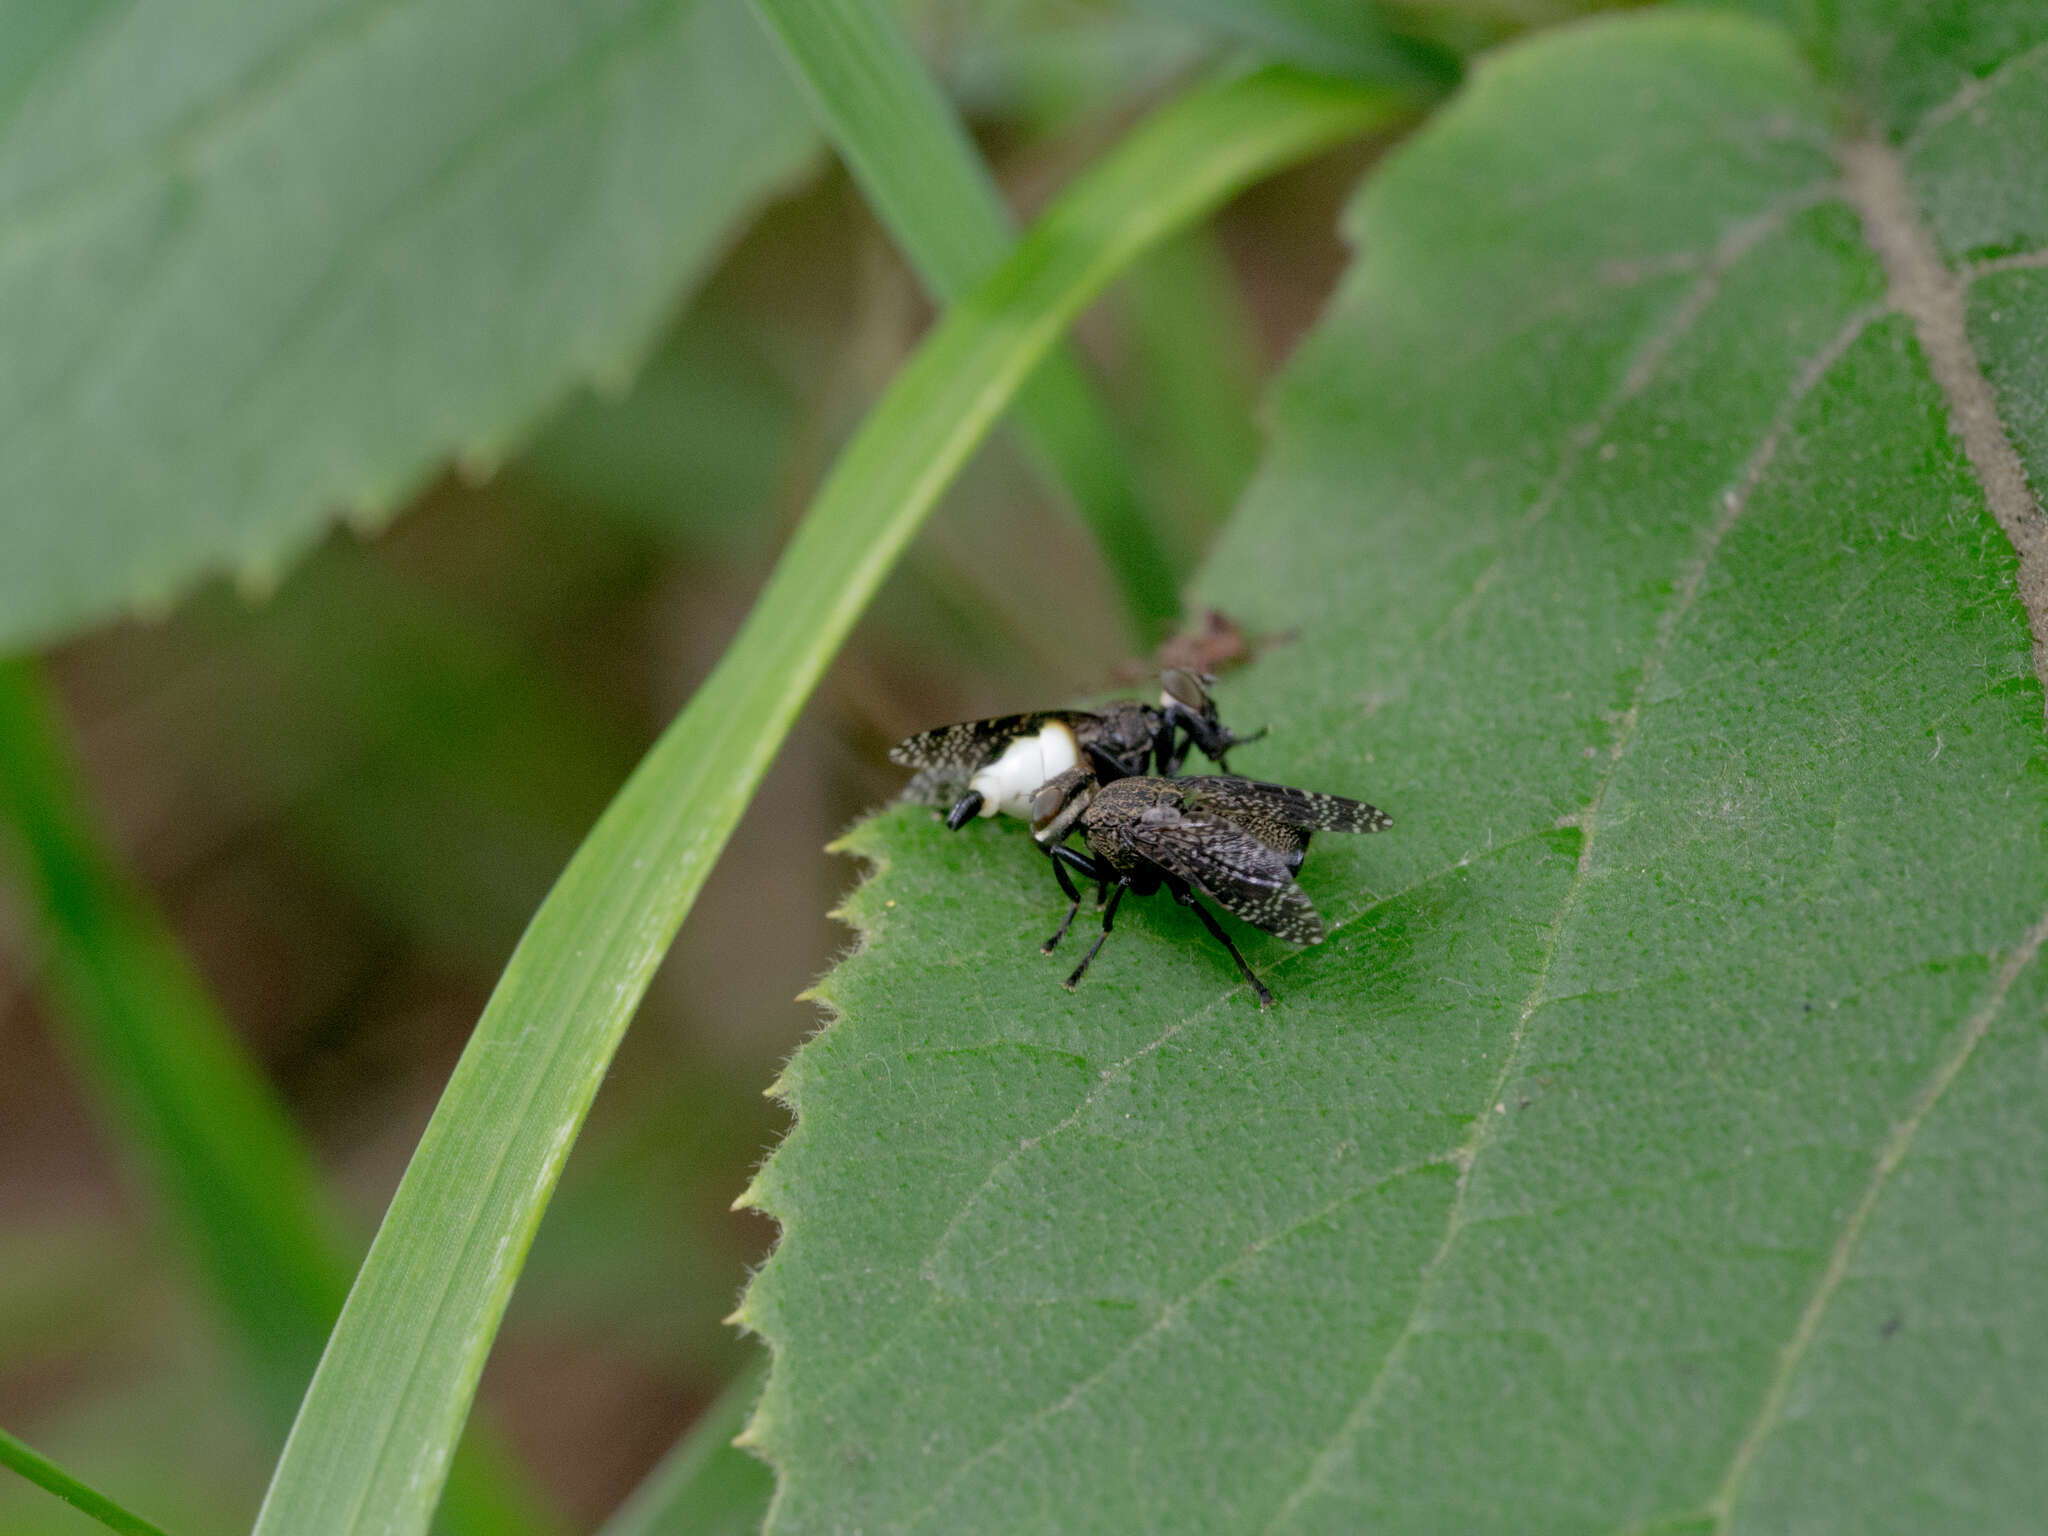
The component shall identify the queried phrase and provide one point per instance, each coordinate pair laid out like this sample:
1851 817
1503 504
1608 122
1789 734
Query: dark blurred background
347 795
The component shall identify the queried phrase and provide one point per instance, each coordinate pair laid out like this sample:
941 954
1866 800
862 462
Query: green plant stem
237 1178
370 1446
922 175
46 1474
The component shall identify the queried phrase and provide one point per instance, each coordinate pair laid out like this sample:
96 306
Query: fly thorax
1008 783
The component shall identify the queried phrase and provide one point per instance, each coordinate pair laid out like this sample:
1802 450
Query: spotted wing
965 747
1249 802
1241 874
948 757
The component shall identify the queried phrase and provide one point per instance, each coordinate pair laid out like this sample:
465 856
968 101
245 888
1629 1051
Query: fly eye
1186 688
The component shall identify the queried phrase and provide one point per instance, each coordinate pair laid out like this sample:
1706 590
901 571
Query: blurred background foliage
348 794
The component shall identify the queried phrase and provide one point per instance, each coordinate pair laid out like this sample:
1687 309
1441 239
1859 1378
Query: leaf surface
259 267
1656 1144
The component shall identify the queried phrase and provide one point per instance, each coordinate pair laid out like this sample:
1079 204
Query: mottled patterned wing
1251 801
967 746
948 757
1241 874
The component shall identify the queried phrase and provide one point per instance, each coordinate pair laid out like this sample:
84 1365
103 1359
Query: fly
986 766
1238 841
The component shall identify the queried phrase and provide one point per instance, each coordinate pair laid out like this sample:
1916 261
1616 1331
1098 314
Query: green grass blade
373 1435
899 137
46 1474
240 1182
237 1179
706 1485
922 175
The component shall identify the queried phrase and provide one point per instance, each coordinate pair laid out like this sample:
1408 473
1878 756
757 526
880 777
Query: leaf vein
2019 261
1931 296
1970 93
1170 1314
1735 502
926 1268
1740 239
1890 1154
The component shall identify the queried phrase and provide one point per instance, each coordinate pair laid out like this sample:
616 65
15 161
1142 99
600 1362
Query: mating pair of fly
1238 841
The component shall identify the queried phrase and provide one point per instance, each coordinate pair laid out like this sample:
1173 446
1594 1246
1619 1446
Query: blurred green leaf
1657 1144
373 1435
927 183
706 1486
262 265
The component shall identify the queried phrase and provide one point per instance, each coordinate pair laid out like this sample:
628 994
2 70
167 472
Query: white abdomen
1008 783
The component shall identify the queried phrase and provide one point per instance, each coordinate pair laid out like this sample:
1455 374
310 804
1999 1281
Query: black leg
1062 857
1067 885
1186 898
1108 918
1215 740
1107 769
1167 749
965 809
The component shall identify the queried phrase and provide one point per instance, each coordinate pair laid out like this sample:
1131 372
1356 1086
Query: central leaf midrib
1894 1149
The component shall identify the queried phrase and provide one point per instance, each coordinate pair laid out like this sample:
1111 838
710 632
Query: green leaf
1657 1143
371 1442
911 154
261 266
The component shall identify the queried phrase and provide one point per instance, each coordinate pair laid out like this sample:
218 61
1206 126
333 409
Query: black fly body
1237 841
985 766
